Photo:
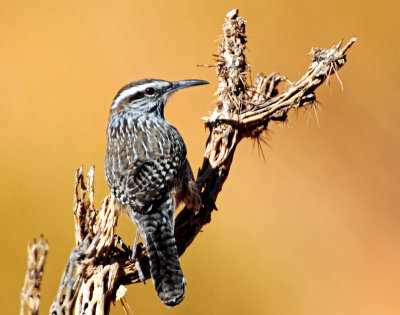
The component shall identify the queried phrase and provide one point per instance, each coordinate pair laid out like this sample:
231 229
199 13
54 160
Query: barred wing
150 180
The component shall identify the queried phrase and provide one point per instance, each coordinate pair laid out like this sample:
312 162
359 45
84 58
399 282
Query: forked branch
100 265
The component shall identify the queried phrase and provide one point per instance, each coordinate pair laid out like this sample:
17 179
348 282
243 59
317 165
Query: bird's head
148 95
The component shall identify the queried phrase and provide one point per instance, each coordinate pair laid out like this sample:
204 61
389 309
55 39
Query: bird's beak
177 85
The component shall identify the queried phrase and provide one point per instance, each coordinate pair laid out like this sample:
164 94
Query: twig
30 293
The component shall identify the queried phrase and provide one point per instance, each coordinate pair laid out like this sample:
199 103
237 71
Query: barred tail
158 231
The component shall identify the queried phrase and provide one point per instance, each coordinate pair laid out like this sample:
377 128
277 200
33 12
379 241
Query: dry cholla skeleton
30 293
99 266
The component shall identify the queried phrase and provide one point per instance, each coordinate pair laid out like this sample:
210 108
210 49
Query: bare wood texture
30 293
100 266
88 279
243 110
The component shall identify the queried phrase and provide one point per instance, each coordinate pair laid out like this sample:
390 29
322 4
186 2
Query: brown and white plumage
147 171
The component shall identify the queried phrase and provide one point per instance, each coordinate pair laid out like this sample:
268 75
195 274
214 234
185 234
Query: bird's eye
150 91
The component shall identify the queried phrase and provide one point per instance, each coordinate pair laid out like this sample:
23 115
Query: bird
149 175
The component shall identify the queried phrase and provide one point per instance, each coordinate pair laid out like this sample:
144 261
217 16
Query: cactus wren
148 173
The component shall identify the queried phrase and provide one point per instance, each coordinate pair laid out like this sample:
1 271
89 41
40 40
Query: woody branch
100 266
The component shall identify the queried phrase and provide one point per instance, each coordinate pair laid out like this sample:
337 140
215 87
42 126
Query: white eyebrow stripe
130 91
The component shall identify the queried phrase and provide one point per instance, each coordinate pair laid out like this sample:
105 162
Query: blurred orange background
312 229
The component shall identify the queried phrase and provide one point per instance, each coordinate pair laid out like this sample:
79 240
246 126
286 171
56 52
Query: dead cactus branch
245 111
88 280
100 264
30 293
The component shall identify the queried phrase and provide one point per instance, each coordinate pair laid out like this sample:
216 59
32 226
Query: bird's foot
118 240
136 260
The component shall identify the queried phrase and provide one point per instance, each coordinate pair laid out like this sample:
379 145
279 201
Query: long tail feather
157 229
